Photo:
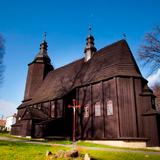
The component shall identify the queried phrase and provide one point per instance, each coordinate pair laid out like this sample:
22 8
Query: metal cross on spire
124 36
90 18
43 45
90 29
44 36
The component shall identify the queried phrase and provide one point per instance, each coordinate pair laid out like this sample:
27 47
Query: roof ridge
110 45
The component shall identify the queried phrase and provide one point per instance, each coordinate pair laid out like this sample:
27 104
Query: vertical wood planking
117 106
98 120
111 121
126 108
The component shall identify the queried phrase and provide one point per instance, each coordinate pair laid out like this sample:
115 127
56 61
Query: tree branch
149 52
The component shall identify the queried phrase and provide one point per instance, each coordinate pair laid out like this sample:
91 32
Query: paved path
24 141
84 147
115 149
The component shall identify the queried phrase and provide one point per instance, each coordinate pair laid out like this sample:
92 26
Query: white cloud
154 78
7 108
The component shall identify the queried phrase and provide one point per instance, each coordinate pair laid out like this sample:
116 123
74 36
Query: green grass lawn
103 155
23 151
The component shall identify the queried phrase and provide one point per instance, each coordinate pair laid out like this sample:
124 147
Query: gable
33 113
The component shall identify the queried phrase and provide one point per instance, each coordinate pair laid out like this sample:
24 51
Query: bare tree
149 52
156 91
2 52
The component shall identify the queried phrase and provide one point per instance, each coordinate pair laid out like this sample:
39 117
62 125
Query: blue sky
66 22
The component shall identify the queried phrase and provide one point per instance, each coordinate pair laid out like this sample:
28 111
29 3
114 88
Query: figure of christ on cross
75 107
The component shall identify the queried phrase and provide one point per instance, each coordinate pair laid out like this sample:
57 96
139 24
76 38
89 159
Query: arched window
97 108
109 107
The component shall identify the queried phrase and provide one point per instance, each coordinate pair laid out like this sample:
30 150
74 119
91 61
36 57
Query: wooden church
115 101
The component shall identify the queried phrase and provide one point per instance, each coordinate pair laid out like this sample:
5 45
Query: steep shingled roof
113 60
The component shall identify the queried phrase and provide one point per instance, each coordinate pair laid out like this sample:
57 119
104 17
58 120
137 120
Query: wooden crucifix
75 106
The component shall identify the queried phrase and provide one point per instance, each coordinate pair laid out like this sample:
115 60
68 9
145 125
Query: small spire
44 36
43 55
90 29
90 48
124 36
43 45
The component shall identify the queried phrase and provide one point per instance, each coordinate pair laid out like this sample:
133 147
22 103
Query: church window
86 111
97 108
52 109
109 107
59 108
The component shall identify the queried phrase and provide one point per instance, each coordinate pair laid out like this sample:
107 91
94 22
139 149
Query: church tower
37 71
90 48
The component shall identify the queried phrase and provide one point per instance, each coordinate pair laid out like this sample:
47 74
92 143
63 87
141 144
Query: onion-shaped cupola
42 56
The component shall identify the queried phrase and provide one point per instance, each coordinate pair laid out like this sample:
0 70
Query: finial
43 45
90 22
124 36
90 29
44 36
90 48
